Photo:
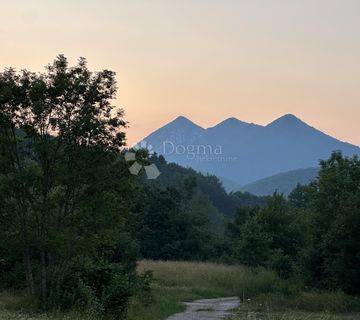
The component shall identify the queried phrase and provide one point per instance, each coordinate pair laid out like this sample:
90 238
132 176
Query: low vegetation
263 294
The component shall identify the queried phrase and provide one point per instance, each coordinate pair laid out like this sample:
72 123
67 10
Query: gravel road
207 309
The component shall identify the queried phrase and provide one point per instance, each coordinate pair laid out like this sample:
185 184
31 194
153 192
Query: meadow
262 293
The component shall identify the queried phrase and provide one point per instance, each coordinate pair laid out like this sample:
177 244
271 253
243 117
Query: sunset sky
205 59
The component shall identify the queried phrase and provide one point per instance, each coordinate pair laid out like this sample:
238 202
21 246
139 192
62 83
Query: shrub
262 281
90 285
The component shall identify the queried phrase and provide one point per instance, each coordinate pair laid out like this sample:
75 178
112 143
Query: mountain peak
245 152
286 120
181 129
231 122
181 118
182 121
289 117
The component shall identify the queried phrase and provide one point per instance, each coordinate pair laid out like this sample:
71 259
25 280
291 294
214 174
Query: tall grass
217 280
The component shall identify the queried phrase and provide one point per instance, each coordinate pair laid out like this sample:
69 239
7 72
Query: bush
68 287
143 288
281 263
90 285
262 281
116 296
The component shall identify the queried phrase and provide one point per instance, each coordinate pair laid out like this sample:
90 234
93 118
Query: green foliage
332 257
64 188
246 199
166 227
314 235
267 237
183 214
173 175
300 197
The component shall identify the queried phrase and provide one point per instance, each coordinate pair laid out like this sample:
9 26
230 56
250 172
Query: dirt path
207 309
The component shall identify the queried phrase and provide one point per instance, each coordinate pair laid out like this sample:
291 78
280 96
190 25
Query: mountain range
241 152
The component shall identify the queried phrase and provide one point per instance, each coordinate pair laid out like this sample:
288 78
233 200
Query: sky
205 59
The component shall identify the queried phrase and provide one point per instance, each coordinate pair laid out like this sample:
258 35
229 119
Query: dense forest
74 221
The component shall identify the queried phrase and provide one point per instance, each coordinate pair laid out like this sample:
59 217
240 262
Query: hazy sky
205 59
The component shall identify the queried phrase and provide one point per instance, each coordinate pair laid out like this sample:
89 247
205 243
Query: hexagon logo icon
151 170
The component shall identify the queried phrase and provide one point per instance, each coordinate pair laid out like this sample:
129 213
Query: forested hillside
183 214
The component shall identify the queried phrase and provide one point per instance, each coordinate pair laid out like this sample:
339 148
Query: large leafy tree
332 259
63 185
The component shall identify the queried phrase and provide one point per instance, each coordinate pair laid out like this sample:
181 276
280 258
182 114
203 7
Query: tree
268 237
300 197
332 258
63 185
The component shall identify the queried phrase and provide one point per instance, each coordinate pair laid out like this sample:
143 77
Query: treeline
313 235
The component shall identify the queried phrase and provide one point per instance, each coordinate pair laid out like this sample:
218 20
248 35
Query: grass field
264 296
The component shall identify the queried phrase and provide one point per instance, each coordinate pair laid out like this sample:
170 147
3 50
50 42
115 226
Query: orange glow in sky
206 59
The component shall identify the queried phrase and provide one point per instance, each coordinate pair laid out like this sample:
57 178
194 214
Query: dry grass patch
210 278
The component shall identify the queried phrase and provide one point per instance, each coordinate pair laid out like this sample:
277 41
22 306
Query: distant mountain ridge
246 152
283 182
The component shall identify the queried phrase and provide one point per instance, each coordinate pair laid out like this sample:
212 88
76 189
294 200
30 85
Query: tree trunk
43 274
28 270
